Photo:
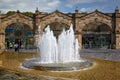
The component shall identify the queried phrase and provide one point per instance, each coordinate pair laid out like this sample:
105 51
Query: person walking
16 46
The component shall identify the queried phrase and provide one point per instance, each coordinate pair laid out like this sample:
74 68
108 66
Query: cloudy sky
106 6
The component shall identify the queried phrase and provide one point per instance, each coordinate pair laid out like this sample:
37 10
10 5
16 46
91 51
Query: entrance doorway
96 35
18 33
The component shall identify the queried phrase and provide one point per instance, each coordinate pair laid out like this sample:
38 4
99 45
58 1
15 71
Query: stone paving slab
12 75
1 51
107 54
0 63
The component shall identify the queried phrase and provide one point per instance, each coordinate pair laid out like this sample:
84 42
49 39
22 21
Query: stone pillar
77 28
117 28
79 37
76 19
2 41
117 41
37 16
2 35
36 26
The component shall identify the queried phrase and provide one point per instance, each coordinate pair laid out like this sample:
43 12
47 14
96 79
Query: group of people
16 45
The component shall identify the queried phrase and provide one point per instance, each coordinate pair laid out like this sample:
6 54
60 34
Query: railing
96 33
87 46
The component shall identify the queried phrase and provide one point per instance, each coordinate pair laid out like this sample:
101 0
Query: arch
20 21
43 24
96 27
60 23
57 27
55 17
19 33
18 24
96 35
17 17
95 18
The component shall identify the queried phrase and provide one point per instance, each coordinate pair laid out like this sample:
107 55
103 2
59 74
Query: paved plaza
103 71
107 54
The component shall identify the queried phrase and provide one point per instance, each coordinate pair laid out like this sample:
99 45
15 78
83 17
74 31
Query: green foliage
10 12
28 13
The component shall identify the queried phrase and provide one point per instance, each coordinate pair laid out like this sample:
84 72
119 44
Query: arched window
96 35
18 33
58 27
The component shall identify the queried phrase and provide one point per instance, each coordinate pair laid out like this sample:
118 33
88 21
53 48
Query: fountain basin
60 54
34 63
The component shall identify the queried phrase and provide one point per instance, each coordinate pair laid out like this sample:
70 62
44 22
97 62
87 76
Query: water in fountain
60 54
66 49
48 47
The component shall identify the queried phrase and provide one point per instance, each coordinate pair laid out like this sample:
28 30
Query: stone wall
5 21
2 41
79 20
117 28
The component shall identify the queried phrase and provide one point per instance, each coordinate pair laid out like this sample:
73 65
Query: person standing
16 46
8 44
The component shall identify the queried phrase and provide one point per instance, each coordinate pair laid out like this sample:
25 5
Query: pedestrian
8 45
16 46
11 46
20 43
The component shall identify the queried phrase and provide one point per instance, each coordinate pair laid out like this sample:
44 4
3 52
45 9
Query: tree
28 13
10 12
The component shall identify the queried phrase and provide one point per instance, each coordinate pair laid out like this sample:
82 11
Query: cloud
93 8
71 3
51 5
29 5
84 9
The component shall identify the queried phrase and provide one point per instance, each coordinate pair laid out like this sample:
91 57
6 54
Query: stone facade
79 20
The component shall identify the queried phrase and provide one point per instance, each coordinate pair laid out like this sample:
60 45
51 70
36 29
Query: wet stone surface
11 75
69 66
106 54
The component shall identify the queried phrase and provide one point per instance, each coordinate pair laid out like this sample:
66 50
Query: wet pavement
105 69
107 54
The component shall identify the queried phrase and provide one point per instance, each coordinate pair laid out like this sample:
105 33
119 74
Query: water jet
60 54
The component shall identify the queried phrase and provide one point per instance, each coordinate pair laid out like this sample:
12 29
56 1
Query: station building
93 30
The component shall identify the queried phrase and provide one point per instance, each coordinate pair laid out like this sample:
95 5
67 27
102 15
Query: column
117 41
79 37
2 41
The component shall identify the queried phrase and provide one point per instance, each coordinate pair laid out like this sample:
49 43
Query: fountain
61 55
